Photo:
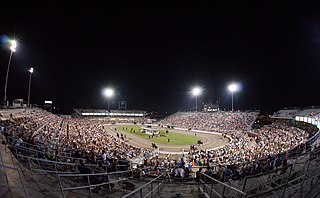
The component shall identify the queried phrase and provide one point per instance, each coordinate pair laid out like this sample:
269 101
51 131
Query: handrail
225 185
43 152
141 187
50 161
21 186
91 174
88 180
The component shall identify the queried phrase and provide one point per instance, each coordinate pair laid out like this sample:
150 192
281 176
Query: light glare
233 87
31 70
13 45
108 92
196 91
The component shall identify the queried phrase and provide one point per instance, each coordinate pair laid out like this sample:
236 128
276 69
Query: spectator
198 174
277 162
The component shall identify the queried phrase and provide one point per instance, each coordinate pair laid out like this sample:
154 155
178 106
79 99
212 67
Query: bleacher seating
244 156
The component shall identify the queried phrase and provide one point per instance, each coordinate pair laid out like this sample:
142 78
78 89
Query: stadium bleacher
44 142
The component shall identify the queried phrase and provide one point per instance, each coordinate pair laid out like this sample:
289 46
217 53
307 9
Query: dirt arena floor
210 140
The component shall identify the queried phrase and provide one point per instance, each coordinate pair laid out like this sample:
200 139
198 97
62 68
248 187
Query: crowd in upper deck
221 120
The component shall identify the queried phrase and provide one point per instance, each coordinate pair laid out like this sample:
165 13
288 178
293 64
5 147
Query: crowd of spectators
61 138
35 127
91 136
216 121
248 152
290 113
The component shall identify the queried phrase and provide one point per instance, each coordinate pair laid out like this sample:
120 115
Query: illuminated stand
148 129
47 105
310 120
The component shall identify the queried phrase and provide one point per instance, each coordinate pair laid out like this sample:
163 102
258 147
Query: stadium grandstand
112 113
100 154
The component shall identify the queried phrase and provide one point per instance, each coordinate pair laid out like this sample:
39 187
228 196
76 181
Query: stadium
193 154
152 101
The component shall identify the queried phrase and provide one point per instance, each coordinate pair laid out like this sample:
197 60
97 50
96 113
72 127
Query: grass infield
175 138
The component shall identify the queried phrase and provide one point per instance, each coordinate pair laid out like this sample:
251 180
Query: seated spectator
267 167
83 169
277 162
227 174
179 172
198 174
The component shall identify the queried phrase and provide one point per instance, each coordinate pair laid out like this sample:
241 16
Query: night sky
153 55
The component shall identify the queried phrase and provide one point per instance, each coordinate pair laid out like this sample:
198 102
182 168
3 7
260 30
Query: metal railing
265 183
54 167
20 186
4 170
297 178
30 152
215 188
86 181
48 166
150 192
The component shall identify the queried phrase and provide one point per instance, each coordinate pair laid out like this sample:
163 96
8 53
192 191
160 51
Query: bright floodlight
13 45
233 87
196 91
108 92
31 70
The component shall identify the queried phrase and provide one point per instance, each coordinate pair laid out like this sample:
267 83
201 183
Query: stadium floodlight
233 88
196 91
12 47
31 71
108 93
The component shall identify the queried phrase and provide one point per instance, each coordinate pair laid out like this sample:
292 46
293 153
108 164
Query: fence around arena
213 188
149 190
88 183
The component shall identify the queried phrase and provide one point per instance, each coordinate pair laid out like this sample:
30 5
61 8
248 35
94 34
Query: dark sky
154 55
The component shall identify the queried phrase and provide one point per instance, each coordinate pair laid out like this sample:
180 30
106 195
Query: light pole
31 71
108 93
196 91
13 45
232 88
